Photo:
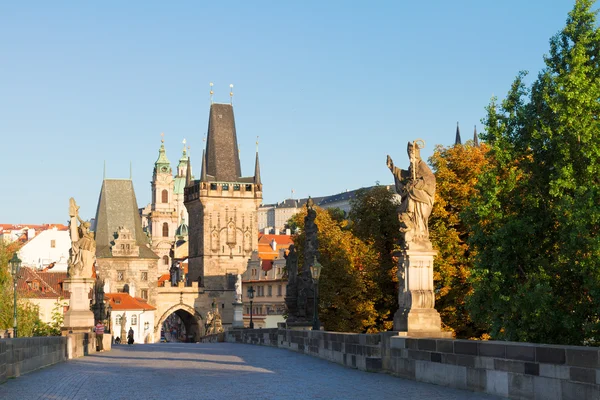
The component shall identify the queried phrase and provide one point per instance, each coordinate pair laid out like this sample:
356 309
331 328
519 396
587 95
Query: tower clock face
164 169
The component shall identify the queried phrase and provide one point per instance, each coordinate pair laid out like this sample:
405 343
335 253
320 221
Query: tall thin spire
188 176
203 172
457 140
475 138
257 166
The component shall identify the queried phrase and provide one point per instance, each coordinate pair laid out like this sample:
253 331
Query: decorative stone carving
416 187
124 245
83 246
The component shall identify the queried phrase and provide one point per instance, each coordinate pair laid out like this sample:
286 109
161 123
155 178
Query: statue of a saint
83 245
238 289
291 264
312 244
175 272
416 186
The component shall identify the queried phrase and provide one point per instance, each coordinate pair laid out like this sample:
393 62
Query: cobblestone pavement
213 371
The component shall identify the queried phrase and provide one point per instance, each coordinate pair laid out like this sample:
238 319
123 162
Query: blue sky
330 87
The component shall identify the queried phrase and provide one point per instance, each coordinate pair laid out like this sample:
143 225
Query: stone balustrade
22 355
508 369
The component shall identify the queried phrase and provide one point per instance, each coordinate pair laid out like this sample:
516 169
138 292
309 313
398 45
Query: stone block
554 371
484 362
426 344
579 391
405 368
436 357
397 342
492 349
476 379
520 352
532 369
459 359
465 347
419 355
441 374
509 366
550 355
373 364
520 386
585 375
497 383
546 388
582 357
444 346
412 344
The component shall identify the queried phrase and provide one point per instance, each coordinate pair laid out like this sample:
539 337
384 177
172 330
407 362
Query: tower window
165 229
165 196
166 260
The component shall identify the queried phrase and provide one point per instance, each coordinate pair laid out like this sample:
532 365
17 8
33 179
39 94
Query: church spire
257 171
222 156
189 179
475 138
203 172
457 140
162 164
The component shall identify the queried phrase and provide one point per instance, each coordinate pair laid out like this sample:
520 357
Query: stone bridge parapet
507 369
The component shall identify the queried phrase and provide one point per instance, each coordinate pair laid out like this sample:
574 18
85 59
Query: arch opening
180 325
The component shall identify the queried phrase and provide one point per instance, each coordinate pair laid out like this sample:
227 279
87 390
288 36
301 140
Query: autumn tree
535 222
27 312
456 170
346 290
374 220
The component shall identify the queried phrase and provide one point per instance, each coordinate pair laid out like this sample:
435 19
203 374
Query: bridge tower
222 207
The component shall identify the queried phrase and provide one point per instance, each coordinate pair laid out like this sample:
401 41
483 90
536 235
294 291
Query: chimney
277 231
288 231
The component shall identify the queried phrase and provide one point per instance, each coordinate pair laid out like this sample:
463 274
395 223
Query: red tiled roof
49 284
123 301
38 228
284 240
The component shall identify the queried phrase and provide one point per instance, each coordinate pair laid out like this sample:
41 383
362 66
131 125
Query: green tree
346 289
536 219
374 220
27 312
456 169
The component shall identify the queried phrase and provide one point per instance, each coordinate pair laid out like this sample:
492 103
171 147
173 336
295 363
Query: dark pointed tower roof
222 156
257 171
203 172
457 140
475 138
117 207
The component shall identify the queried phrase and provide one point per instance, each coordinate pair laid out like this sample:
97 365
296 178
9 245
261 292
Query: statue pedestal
79 318
238 315
416 315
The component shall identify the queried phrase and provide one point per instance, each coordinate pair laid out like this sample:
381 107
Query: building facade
48 249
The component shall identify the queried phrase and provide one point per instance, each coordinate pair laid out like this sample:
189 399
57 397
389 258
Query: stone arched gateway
192 320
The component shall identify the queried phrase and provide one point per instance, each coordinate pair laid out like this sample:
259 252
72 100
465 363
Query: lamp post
315 271
108 318
15 266
251 296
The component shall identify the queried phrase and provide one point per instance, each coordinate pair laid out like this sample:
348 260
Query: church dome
182 230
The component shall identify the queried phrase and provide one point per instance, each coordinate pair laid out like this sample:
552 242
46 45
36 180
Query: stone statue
291 264
416 187
98 306
175 272
238 289
123 328
311 249
83 246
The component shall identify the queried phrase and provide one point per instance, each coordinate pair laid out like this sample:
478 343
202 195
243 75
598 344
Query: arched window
165 229
165 196
166 260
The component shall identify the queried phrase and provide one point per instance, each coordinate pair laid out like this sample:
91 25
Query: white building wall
38 252
140 333
46 307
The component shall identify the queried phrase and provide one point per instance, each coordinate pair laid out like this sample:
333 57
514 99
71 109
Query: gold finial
162 137
211 92
257 144
231 93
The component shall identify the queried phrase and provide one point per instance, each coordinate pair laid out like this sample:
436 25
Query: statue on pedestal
416 187
238 289
83 246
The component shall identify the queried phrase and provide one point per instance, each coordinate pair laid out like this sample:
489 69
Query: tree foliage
346 289
373 219
27 312
456 169
535 224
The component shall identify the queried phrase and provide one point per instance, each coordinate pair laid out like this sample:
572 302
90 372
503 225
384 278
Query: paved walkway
213 371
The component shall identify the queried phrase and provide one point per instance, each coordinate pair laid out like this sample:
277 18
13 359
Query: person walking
99 329
130 336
